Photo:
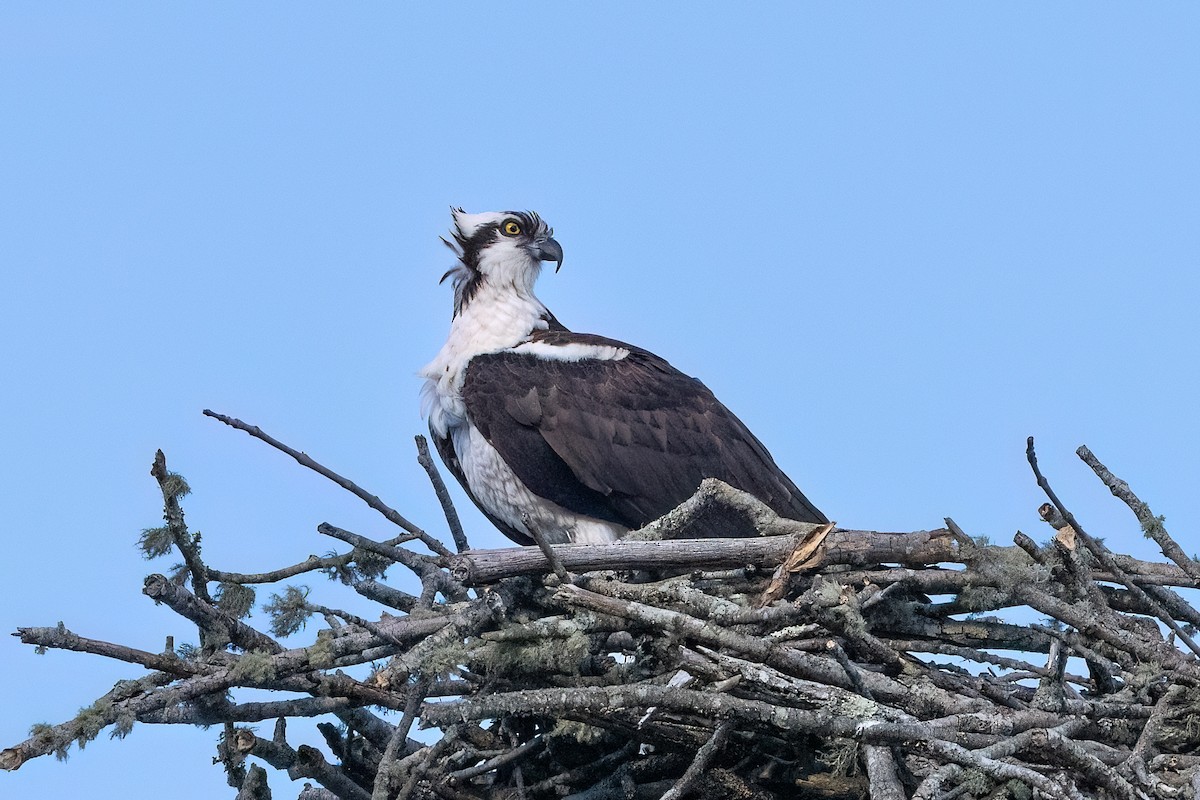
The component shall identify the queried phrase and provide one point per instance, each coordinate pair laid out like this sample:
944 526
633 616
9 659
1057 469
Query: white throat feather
495 308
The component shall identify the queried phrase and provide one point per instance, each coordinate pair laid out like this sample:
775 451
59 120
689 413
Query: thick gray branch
857 548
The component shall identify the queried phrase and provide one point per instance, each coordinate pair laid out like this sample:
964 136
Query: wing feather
624 440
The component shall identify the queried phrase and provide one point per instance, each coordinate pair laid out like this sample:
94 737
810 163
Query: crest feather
471 233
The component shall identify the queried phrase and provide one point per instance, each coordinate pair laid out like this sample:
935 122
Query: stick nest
783 660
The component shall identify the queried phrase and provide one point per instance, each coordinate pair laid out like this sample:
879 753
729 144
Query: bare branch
857 548
173 487
1152 526
303 459
310 564
1103 555
420 564
207 617
443 495
62 639
704 757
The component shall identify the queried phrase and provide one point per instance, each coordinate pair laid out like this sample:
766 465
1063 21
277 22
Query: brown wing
624 440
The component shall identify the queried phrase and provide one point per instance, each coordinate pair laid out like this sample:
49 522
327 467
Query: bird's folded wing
623 437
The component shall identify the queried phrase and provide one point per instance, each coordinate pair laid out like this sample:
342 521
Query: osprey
575 436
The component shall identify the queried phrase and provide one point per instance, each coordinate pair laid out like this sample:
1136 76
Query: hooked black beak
549 250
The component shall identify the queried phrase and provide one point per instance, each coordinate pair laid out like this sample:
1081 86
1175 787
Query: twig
762 680
1075 642
416 562
385 773
1002 749
843 618
206 616
784 659
310 564
443 496
353 619
548 551
1150 731
852 672
303 459
126 697
477 614
62 639
245 712
586 773
1086 764
173 487
427 757
977 655
714 505
1000 770
1152 526
704 757
1051 691
385 595
1104 557
516 754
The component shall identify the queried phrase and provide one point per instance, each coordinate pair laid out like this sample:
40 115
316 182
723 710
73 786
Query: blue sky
896 240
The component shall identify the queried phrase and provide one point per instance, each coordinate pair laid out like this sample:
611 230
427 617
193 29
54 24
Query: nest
783 660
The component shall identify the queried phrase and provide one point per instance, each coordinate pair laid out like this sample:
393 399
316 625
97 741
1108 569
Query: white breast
491 322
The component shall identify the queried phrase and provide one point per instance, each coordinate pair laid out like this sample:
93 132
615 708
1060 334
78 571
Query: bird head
499 248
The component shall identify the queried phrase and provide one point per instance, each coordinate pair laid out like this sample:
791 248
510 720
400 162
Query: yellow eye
511 228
